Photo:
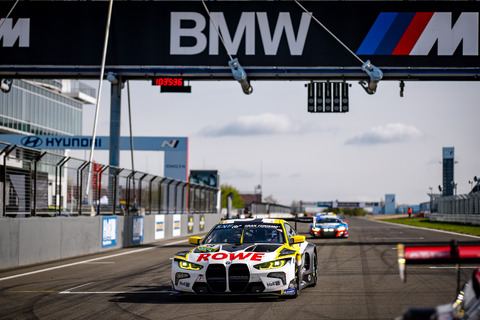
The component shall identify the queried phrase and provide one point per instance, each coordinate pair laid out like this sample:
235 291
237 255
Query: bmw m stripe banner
55 37
415 33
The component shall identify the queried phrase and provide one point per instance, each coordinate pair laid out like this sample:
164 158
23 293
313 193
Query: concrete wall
473 219
25 241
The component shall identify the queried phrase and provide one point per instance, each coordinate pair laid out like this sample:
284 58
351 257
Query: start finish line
175 148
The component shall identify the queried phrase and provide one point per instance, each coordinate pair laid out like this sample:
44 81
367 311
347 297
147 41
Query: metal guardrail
36 183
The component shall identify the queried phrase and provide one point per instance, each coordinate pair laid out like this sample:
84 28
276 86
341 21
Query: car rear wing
298 219
452 253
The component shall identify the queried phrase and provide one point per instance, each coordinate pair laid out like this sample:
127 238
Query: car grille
328 233
238 278
216 277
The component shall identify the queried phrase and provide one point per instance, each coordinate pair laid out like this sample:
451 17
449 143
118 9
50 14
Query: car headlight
189 265
342 228
315 229
271 264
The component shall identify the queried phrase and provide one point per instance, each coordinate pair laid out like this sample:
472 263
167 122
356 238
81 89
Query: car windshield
246 233
328 220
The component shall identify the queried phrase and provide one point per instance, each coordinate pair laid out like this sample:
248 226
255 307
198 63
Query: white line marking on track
435 267
90 260
415 227
418 238
453 267
114 292
82 285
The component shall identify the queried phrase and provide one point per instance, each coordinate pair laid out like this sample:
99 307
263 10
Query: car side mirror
195 240
297 239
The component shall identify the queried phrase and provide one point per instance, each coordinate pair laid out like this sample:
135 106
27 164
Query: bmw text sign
272 39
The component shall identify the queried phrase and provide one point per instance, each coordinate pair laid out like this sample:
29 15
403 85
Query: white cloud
263 124
391 133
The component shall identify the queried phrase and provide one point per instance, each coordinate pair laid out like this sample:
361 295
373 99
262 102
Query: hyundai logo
32 141
172 144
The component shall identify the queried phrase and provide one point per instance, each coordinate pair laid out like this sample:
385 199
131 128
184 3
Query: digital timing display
169 82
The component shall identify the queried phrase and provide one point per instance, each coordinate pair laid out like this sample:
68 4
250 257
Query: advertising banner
177 223
202 223
190 224
268 37
159 226
175 148
325 204
109 232
137 232
169 144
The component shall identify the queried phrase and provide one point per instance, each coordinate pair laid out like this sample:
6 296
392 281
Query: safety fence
460 204
39 183
463 208
268 208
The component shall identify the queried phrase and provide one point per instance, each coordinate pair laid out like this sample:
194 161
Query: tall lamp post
454 184
258 191
431 198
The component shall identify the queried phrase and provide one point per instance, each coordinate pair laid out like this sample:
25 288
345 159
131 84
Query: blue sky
384 144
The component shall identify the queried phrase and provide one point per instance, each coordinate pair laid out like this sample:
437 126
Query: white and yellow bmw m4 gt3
246 256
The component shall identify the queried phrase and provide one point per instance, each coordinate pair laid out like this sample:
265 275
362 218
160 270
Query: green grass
426 223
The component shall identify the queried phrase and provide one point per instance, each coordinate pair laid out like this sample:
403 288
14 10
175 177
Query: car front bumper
236 278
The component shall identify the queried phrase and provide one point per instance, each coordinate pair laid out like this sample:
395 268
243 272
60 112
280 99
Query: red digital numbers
169 82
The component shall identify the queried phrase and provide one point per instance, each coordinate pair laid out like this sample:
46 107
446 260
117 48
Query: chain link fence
39 183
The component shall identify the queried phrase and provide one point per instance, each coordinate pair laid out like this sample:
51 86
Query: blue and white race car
248 257
329 226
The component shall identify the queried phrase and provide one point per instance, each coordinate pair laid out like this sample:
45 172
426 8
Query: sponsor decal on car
275 283
208 248
289 291
231 256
